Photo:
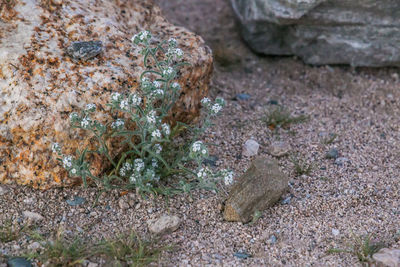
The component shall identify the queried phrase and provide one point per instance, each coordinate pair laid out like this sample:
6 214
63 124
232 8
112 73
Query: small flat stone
242 96
272 239
19 262
335 232
341 161
272 102
76 201
123 203
211 161
84 50
3 190
333 153
242 255
279 149
387 257
250 148
164 224
32 215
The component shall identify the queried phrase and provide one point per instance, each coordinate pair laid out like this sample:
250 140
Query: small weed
10 232
362 247
128 249
301 167
329 139
257 215
280 117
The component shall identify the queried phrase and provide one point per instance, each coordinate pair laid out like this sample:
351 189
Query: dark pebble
272 102
84 50
333 153
242 255
76 201
242 96
18 262
211 161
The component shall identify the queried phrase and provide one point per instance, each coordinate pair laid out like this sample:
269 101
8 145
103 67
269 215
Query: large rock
387 257
357 32
40 84
258 188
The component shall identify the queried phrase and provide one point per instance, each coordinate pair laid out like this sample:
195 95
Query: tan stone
40 84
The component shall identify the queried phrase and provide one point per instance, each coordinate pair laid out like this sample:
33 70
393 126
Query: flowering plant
154 151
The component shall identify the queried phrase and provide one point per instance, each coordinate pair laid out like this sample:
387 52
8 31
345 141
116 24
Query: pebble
335 232
84 50
279 149
242 96
242 255
272 102
92 264
211 161
123 203
341 161
287 200
387 257
333 153
164 224
250 148
32 215
19 262
3 190
34 246
76 201
272 239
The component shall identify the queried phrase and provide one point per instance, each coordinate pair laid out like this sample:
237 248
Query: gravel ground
324 209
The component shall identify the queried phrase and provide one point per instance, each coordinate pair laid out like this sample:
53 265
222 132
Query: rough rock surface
258 188
359 32
40 84
164 224
387 257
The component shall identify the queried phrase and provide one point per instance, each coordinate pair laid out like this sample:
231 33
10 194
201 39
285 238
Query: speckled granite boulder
40 83
357 32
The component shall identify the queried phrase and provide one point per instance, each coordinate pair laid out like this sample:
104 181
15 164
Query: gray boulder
357 32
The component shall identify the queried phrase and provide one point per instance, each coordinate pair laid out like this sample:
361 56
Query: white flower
228 177
135 99
157 84
175 86
139 165
172 42
179 52
73 171
151 117
197 146
154 163
115 96
204 152
134 38
158 148
124 104
216 108
202 173
133 179
55 147
85 122
67 162
73 116
166 129
127 166
117 124
122 171
90 107
168 71
156 133
158 92
144 35
205 101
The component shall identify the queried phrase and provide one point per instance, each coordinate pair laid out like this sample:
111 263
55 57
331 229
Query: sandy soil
325 209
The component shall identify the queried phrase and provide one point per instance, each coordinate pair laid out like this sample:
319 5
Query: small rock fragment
34 246
333 153
3 190
272 239
123 203
19 262
242 255
92 264
250 148
164 224
242 96
341 161
211 161
32 215
387 257
84 50
335 232
76 201
279 149
258 188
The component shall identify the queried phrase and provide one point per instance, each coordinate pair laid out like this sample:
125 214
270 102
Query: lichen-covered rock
258 188
357 32
42 79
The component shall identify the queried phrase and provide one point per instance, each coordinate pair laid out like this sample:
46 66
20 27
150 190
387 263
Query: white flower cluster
126 167
198 150
227 176
203 173
139 165
157 148
174 53
166 129
135 99
55 147
213 108
168 72
156 134
85 122
119 123
151 117
90 107
142 37
67 162
172 42
176 86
